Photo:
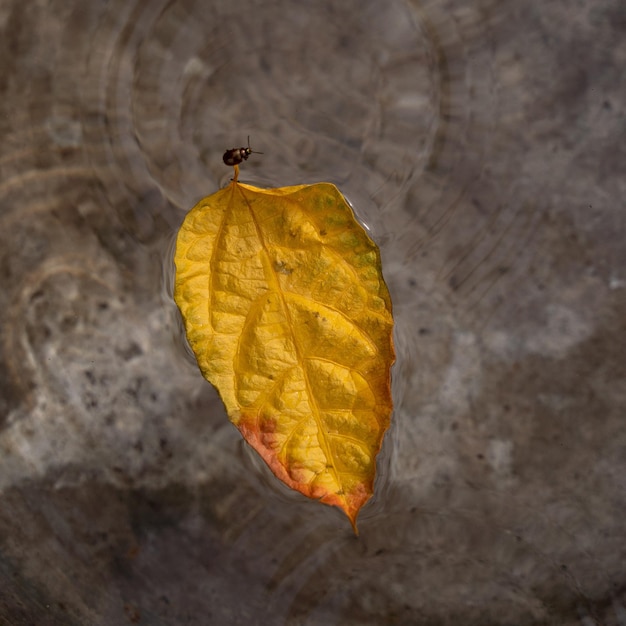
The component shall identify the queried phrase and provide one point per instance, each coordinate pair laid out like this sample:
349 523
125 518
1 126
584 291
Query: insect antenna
251 150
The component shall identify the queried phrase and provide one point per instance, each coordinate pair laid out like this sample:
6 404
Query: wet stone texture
483 145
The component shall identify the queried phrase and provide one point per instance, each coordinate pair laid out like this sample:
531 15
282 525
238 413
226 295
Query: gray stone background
484 145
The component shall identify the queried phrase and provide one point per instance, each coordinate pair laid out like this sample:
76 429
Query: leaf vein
273 278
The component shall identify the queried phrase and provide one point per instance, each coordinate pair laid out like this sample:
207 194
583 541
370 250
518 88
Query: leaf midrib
274 285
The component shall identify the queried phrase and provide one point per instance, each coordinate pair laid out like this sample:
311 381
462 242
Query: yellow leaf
286 310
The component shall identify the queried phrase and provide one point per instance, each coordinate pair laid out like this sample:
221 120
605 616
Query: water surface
482 145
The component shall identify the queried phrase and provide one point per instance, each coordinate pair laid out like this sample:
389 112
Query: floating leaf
286 310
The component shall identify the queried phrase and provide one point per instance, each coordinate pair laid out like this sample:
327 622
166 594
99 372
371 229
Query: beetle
235 156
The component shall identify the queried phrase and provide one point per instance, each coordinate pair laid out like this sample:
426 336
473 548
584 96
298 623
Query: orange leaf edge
350 504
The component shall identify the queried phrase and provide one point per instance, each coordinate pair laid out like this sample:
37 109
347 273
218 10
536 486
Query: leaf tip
354 526
351 513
